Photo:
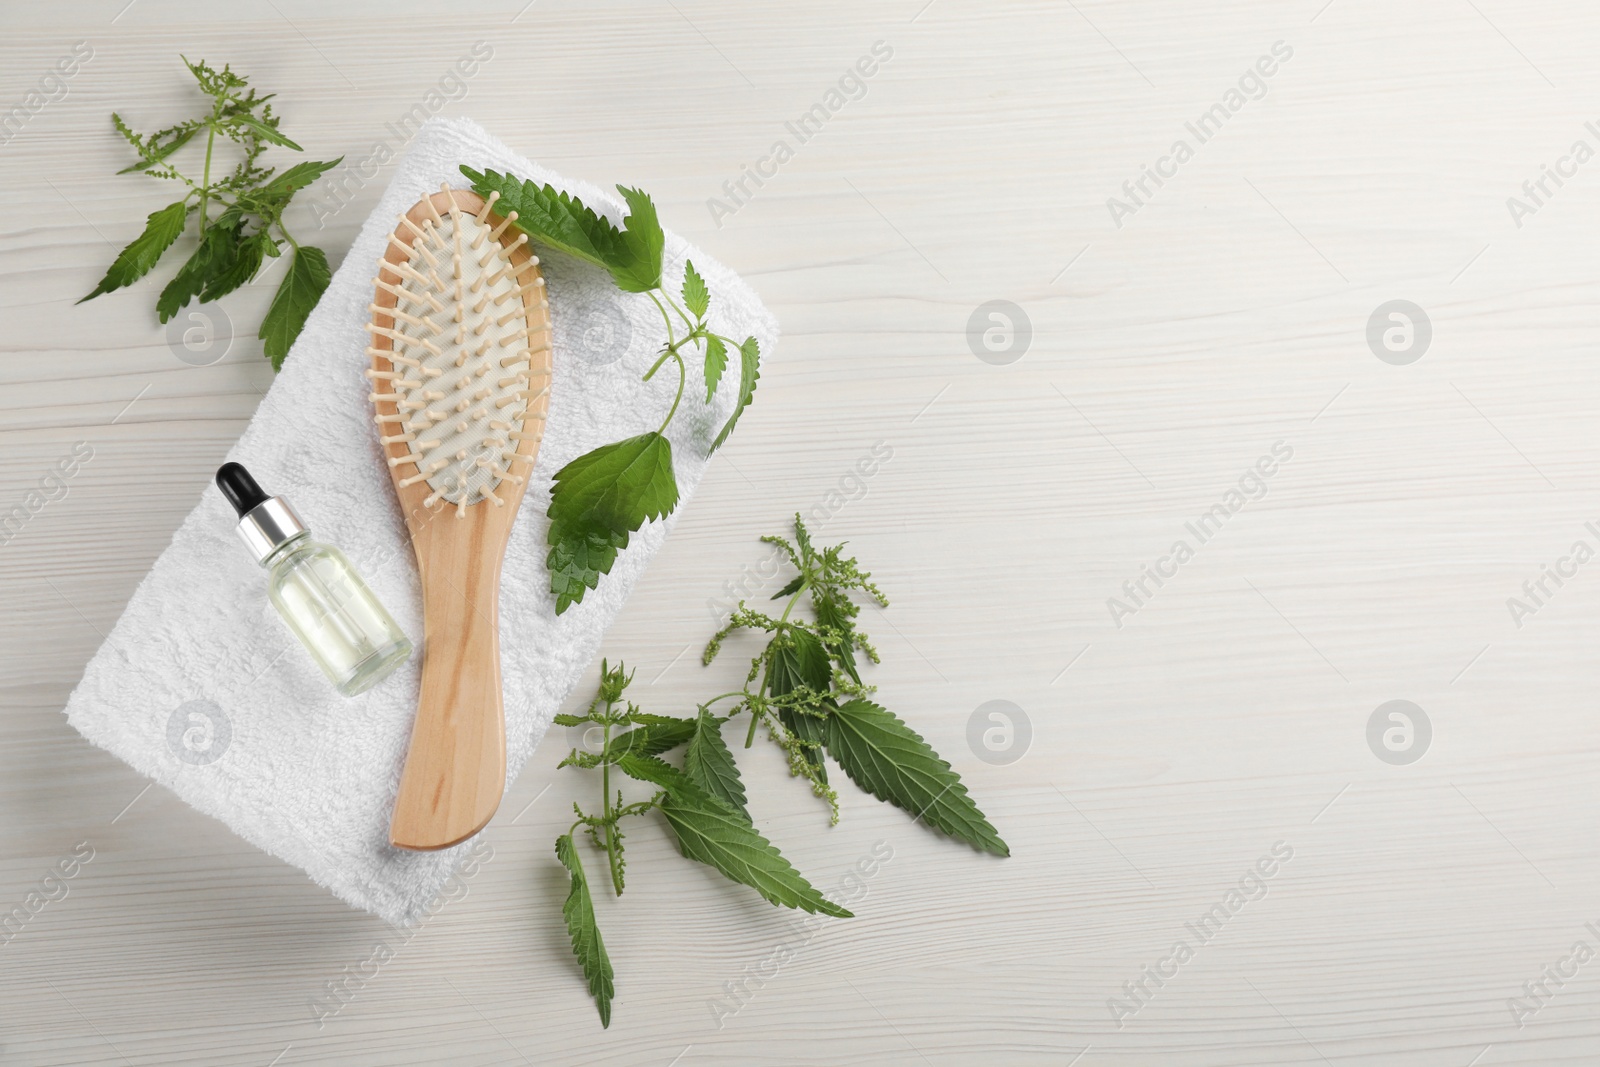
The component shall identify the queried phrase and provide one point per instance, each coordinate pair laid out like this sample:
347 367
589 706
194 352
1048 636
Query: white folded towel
202 688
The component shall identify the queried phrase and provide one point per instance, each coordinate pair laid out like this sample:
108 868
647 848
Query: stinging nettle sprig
703 803
240 237
811 698
807 690
604 496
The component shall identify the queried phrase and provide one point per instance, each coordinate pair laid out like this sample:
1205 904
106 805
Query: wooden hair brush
461 374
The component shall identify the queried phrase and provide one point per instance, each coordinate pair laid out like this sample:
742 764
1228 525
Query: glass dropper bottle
316 590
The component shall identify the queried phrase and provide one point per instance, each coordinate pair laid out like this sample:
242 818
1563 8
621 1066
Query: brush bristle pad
460 374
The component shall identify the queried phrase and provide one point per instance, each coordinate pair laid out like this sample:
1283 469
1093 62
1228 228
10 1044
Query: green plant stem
790 606
697 331
687 321
683 375
666 354
205 175
671 352
287 236
665 318
750 734
610 818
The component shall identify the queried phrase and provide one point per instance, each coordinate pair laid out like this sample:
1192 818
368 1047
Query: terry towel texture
202 688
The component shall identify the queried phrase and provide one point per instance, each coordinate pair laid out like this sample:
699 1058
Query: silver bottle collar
268 525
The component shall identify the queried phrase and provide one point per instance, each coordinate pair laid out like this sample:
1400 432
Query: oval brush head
461 371
460 322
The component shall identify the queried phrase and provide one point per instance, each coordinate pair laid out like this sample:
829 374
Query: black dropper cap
240 488
265 522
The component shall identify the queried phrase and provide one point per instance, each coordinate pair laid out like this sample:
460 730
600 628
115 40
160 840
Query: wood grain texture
1167 356
455 770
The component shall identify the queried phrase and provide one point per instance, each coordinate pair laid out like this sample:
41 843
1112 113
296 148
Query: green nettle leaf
749 374
660 772
297 177
803 536
710 765
578 557
242 260
652 738
806 662
550 217
298 293
632 254
637 269
159 146
620 485
710 831
891 761
696 297
718 837
587 945
832 610
597 501
217 248
646 718
134 262
791 589
801 661
716 363
808 728
263 131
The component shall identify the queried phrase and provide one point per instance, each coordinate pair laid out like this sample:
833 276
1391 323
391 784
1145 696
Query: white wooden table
1225 717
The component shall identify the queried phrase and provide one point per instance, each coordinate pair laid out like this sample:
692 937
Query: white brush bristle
467 331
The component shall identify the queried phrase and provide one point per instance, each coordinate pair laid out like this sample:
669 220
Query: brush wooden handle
455 769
